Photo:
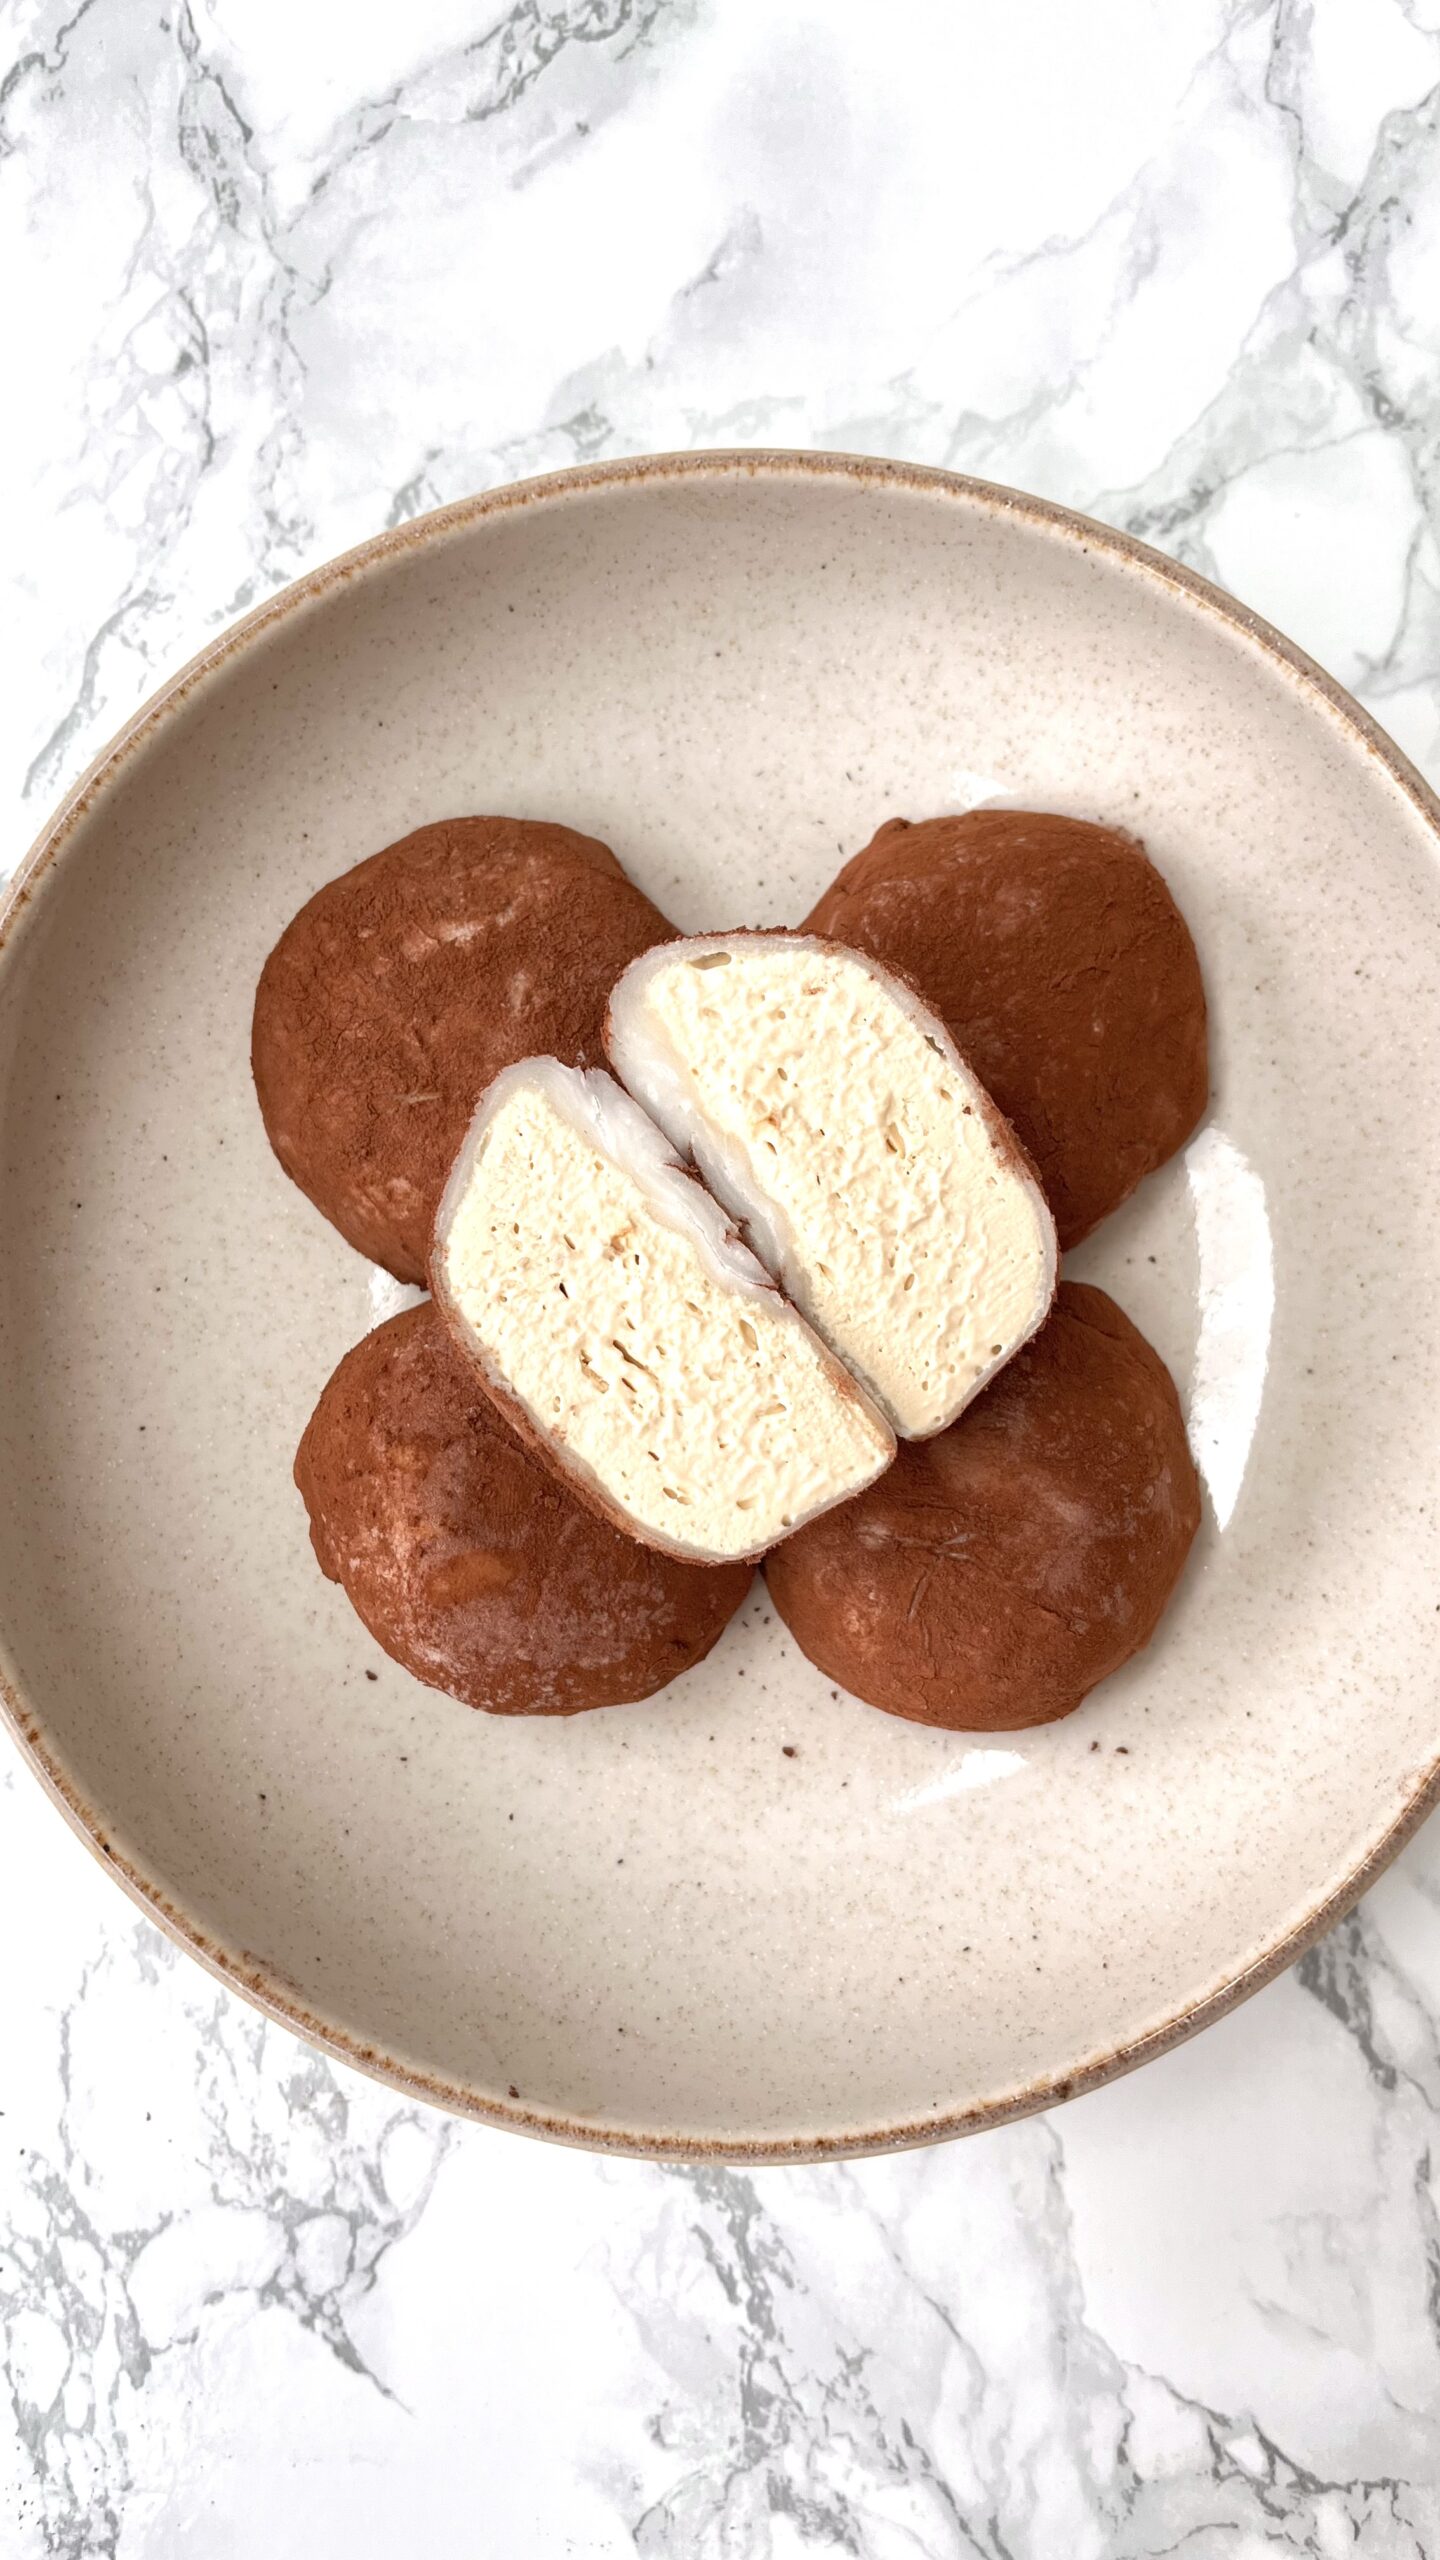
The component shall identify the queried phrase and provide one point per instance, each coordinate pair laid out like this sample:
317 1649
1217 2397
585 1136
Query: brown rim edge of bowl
259 1983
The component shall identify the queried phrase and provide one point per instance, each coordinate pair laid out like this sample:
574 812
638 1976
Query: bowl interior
650 1925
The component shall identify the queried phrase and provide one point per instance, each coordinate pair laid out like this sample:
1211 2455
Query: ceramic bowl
750 1918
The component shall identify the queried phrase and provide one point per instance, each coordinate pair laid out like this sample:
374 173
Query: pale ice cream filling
599 1287
832 1114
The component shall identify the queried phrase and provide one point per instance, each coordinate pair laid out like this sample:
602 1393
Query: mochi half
832 1114
616 1317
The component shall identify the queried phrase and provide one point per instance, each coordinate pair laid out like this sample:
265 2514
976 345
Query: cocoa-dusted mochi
1001 1570
399 991
1064 972
469 1561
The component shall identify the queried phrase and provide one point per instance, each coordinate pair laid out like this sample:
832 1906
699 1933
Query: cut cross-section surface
832 1114
612 1311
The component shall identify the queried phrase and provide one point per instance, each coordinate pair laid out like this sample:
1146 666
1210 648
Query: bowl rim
262 1987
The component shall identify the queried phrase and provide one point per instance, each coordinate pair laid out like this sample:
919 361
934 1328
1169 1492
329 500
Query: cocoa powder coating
998 1571
1065 973
467 1558
401 989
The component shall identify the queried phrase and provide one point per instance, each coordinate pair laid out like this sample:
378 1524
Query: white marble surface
273 275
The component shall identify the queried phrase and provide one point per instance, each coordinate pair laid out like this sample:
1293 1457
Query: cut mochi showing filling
615 1315
832 1114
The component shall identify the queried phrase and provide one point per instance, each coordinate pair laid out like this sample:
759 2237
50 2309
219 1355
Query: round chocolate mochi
998 1571
468 1559
1064 971
403 988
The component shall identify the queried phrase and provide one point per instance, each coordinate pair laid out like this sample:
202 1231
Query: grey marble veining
271 276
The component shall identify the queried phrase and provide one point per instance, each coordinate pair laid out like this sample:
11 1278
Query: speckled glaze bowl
751 1917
